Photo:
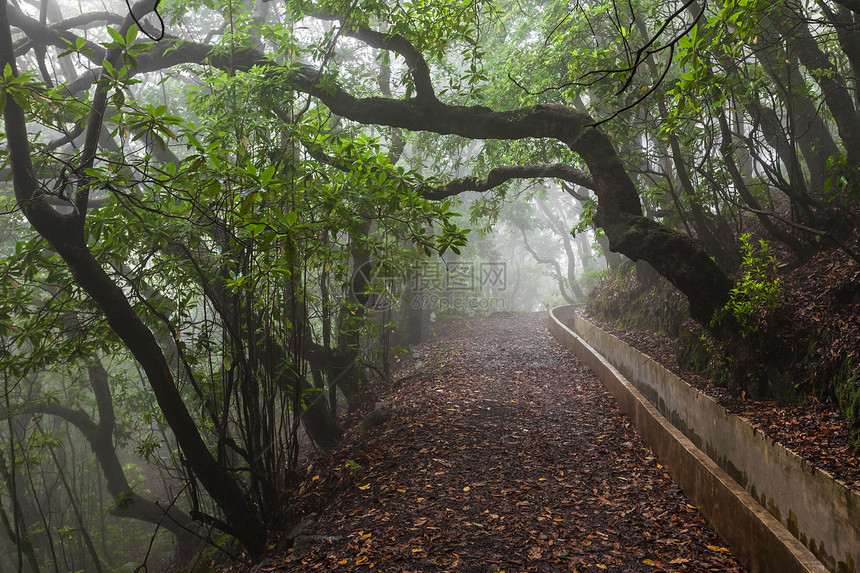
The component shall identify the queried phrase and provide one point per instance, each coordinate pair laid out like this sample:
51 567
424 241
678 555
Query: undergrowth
803 326
634 296
747 365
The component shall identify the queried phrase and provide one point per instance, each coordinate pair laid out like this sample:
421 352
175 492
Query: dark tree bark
100 437
836 95
807 127
720 247
15 528
775 231
562 229
853 5
674 255
66 234
500 175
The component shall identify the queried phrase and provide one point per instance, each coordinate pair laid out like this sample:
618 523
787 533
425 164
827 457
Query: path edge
761 542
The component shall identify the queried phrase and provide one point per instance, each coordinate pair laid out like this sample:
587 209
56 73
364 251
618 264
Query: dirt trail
503 453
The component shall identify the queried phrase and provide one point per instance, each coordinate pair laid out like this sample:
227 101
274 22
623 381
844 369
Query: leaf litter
504 453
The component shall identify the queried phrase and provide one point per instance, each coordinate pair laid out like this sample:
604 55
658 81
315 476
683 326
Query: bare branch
501 175
52 35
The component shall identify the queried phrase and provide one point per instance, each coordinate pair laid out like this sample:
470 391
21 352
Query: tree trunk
66 234
677 257
832 84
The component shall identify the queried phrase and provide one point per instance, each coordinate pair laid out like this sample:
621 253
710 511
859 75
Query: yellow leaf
719 549
343 562
599 566
315 478
367 486
466 488
418 550
650 562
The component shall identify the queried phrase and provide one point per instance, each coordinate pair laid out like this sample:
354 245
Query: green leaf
117 37
131 35
267 174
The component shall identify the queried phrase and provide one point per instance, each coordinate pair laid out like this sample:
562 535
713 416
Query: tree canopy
193 186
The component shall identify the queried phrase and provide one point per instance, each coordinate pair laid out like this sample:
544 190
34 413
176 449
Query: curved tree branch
501 175
396 43
494 178
128 503
674 255
52 35
559 276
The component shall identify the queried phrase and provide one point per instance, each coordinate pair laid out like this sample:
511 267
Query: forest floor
816 431
502 453
821 301
818 333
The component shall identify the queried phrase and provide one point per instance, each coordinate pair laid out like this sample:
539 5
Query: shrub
751 305
756 295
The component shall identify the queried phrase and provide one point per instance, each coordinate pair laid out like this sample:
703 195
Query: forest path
504 453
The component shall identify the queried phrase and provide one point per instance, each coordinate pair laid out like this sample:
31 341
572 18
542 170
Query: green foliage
20 87
844 179
586 218
230 209
756 294
847 386
744 363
